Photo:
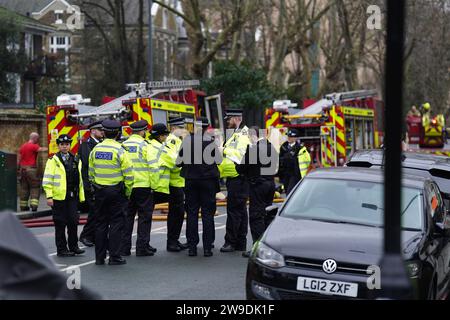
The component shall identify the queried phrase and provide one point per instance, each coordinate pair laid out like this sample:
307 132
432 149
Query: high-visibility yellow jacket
159 157
233 152
136 148
110 165
55 180
174 145
304 160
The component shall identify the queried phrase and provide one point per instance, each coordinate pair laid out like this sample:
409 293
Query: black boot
116 261
77 250
192 252
144 253
65 253
207 253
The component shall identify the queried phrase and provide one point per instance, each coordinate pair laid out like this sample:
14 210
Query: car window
350 201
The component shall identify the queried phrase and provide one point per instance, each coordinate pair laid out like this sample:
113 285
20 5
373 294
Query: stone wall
15 128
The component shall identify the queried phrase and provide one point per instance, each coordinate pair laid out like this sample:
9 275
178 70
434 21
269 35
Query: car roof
365 174
413 160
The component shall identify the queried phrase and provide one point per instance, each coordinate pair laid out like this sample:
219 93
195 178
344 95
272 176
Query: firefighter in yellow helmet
141 200
237 185
110 172
426 114
63 186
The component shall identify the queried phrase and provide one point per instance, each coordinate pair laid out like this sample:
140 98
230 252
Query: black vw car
329 233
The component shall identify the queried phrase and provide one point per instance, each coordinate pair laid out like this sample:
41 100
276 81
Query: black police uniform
237 215
175 217
87 236
111 203
141 201
289 171
65 211
260 175
202 184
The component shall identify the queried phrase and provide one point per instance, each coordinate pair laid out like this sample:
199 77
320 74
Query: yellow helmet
426 106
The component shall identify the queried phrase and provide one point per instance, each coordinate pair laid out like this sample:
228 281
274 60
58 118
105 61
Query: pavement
164 276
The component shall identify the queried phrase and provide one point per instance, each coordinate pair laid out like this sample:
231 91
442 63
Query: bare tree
211 25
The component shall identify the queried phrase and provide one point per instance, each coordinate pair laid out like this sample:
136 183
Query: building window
61 40
51 40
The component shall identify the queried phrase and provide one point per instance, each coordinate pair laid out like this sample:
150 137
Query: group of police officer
119 180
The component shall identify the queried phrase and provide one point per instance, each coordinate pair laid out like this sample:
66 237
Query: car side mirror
272 211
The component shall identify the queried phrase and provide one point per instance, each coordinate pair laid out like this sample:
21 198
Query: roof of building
29 23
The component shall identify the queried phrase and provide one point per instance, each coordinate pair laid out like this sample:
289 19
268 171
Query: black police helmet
159 129
64 138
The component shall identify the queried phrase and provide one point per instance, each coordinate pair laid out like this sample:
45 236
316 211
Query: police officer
259 166
110 171
161 160
176 196
237 186
87 236
202 183
141 200
63 186
289 171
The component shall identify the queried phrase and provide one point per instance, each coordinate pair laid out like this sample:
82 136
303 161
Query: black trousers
65 216
200 193
175 217
141 201
89 228
289 182
237 216
261 196
111 206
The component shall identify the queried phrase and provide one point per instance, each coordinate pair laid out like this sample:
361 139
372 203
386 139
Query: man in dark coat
199 157
87 236
259 166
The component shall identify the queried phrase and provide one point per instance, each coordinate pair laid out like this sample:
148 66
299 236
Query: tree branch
176 12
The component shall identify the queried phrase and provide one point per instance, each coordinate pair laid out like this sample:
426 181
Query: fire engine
155 101
333 127
426 131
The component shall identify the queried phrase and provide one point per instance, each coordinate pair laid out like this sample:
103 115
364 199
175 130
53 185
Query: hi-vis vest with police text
144 176
174 145
304 160
233 152
159 157
109 165
54 181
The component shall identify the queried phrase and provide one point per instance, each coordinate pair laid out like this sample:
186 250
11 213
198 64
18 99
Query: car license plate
328 287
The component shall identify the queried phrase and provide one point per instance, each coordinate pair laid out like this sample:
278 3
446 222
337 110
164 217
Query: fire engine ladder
339 97
144 89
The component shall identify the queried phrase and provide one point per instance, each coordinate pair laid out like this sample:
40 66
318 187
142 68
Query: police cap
64 138
203 121
95 125
181 121
111 125
159 129
139 125
233 113
293 133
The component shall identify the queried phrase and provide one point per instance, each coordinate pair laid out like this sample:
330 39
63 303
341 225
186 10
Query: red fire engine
333 127
155 101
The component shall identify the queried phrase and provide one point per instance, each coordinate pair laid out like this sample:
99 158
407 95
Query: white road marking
133 250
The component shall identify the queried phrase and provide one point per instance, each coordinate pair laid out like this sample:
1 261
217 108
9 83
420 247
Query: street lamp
150 43
395 283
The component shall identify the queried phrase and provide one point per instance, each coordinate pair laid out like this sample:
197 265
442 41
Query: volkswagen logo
329 266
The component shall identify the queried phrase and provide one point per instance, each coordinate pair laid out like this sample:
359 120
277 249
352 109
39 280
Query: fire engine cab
333 127
155 101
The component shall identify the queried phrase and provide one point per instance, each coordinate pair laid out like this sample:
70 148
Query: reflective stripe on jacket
162 162
304 160
136 148
174 145
54 181
233 152
109 165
